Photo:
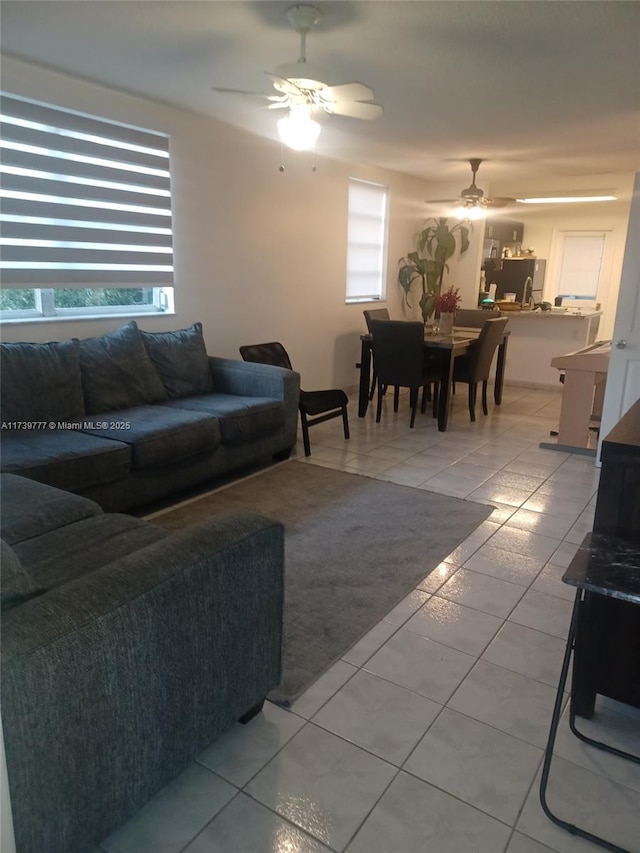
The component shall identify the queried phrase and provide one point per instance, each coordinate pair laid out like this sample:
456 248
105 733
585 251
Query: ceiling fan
472 202
303 91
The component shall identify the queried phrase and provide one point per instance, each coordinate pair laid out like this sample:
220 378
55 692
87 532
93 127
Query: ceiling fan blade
500 202
442 201
348 92
353 109
280 105
238 91
282 85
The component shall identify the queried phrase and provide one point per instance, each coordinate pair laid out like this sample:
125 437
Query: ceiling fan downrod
302 18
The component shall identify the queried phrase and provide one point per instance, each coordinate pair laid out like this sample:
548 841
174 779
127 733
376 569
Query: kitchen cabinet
507 232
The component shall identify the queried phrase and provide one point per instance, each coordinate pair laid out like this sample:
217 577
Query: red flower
449 301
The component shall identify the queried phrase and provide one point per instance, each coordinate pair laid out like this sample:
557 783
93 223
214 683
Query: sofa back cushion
16 584
117 373
181 361
41 382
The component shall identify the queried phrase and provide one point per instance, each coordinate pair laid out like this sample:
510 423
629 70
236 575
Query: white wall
260 255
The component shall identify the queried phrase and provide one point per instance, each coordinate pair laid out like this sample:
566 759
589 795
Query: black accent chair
474 367
399 356
380 314
315 406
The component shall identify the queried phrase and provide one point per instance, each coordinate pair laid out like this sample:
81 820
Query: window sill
81 318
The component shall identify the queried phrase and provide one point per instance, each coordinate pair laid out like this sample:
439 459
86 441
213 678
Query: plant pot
445 323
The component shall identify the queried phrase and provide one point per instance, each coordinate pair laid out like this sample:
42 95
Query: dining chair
380 314
315 407
474 367
399 356
473 318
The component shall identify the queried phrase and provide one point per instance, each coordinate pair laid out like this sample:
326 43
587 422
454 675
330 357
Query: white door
623 378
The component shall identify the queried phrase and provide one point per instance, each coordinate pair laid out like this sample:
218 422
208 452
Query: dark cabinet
607 655
507 232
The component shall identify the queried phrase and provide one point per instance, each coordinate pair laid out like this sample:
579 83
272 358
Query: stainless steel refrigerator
512 278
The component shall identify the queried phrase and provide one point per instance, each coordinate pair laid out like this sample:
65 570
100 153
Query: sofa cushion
158 435
68 459
117 373
181 361
241 418
41 382
30 508
16 584
62 555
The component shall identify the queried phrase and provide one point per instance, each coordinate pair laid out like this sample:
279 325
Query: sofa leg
251 713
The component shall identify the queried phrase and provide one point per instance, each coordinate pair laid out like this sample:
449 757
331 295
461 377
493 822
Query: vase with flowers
446 305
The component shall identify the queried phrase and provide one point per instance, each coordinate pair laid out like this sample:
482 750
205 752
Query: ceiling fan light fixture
298 130
473 212
569 199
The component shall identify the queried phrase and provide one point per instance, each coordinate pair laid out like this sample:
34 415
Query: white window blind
84 202
366 241
581 265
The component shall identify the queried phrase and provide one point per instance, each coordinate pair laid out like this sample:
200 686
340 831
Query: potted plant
435 244
446 305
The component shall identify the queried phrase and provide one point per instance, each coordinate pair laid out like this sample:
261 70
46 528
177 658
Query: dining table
447 347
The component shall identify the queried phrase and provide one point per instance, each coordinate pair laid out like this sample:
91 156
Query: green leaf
427 305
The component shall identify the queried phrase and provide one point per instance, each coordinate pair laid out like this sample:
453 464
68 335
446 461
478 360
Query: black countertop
607 565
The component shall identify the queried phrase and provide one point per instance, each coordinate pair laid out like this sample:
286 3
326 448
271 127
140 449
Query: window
86 214
581 266
367 241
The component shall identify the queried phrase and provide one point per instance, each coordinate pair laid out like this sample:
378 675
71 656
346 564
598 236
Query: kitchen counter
538 336
555 315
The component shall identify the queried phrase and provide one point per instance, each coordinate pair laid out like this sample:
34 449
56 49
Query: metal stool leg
548 755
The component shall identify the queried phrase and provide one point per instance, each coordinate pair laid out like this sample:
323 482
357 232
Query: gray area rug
354 547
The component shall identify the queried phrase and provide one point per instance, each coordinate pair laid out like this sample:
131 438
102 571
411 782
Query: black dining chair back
379 314
399 356
315 407
475 367
375 314
473 318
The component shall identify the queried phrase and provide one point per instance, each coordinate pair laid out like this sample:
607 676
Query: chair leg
396 398
484 398
345 422
305 434
379 406
374 381
426 394
436 397
472 400
413 402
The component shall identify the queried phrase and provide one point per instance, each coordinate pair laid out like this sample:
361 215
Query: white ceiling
546 91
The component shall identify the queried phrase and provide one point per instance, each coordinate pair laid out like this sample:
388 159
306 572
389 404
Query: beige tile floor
429 734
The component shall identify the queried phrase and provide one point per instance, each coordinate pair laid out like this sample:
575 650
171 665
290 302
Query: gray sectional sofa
131 417
125 652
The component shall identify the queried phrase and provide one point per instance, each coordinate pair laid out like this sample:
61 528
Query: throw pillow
181 360
117 372
41 382
16 583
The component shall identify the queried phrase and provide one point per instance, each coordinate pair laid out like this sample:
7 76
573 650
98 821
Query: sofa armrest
248 379
113 682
